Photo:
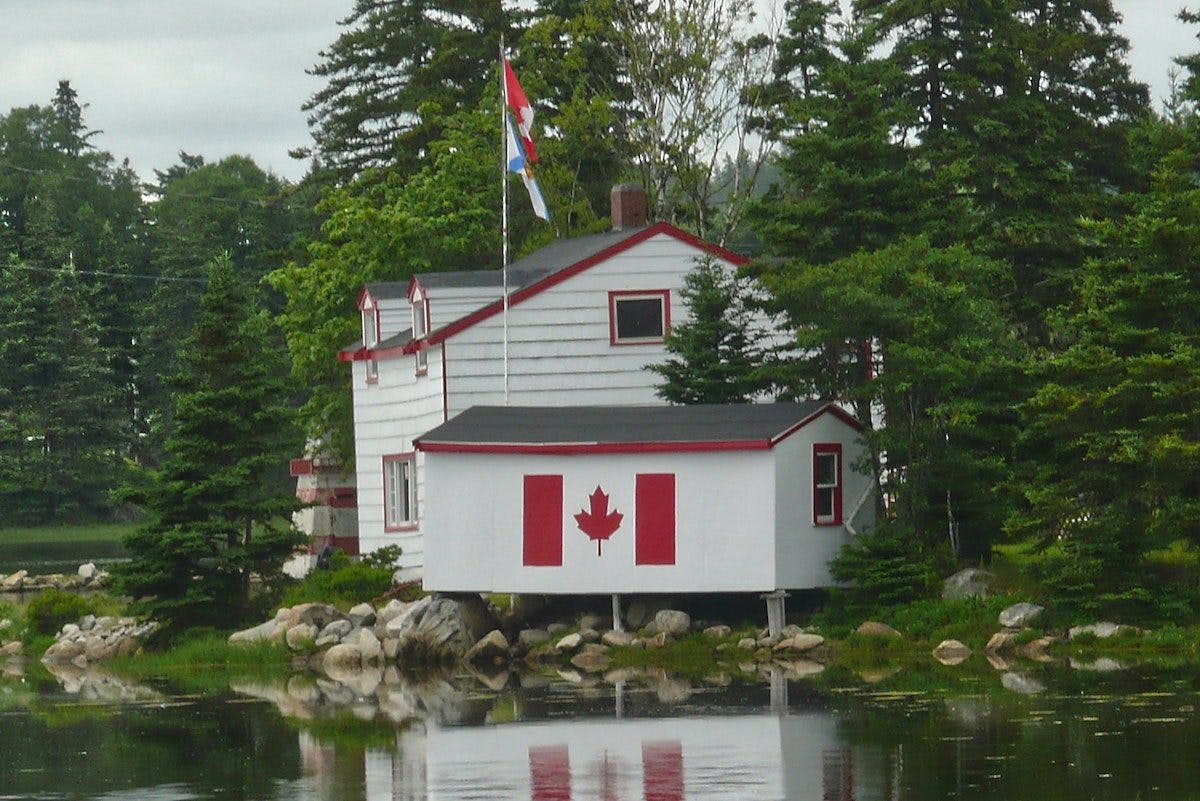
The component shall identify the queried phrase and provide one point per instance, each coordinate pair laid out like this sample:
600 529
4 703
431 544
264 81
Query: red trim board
576 448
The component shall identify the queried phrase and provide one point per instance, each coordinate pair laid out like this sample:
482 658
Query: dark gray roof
558 255
388 290
562 425
395 340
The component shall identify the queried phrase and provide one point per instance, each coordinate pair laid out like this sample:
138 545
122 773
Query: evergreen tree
396 74
219 507
715 351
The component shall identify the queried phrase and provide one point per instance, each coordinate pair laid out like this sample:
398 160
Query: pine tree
218 507
716 356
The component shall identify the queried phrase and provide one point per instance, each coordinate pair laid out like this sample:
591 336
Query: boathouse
641 499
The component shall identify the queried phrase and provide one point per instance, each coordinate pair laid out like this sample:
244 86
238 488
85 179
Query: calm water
1085 736
40 558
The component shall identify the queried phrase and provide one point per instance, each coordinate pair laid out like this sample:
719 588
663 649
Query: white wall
803 549
395 315
559 351
388 415
447 304
473 523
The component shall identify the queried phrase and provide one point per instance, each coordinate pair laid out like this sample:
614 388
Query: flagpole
504 207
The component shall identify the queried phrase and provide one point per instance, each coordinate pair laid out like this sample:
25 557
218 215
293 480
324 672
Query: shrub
50 610
883 569
342 586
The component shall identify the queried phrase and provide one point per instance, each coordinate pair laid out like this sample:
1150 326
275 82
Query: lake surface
1051 733
40 558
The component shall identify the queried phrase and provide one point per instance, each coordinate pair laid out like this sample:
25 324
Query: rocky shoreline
88 577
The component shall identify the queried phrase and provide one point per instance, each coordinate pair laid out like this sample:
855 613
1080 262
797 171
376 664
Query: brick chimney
628 207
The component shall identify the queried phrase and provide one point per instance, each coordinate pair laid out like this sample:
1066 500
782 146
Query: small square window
399 492
636 318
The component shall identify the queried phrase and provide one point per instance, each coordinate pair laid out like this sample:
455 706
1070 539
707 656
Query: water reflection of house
763 756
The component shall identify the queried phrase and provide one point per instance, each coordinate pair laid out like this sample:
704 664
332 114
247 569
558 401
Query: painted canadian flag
545 523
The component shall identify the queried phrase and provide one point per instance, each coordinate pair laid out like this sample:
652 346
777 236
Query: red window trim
410 456
820 448
664 295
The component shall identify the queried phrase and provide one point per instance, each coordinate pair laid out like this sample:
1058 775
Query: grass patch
206 662
694 655
88 532
344 585
1170 644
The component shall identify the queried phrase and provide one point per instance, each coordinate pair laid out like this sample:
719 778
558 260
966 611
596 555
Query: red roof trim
833 409
578 448
558 277
363 294
413 283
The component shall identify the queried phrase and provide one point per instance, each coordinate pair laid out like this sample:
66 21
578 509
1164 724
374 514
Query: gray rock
1018 616
442 624
616 638
109 622
969 583
1101 631
1000 641
87 622
593 658
87 572
14 581
873 628
493 645
1021 683
362 615
335 632
69 630
301 637
260 633
589 635
789 631
557 628
747 644
718 632
589 620
528 639
800 643
343 656
369 646
391 647
951 652
392 610
568 643
671 622
319 615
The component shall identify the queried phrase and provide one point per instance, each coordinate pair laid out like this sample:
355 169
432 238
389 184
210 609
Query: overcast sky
217 77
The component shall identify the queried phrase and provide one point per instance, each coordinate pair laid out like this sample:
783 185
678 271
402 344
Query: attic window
420 329
639 317
370 328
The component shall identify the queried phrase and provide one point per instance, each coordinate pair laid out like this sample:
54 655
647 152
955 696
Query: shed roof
623 429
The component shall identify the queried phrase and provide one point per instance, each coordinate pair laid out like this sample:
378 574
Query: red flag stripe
654 497
542 537
521 109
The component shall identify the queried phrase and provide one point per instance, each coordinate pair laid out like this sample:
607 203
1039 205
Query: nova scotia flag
519 163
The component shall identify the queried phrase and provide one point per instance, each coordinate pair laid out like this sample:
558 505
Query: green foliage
344 585
386 557
219 507
204 661
51 609
715 353
883 569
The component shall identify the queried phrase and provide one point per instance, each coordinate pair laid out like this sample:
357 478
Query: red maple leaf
599 524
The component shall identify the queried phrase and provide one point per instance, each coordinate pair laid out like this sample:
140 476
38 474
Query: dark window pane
640 318
825 503
826 469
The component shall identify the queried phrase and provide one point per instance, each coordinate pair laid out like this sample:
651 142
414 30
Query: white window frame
400 491
615 298
825 450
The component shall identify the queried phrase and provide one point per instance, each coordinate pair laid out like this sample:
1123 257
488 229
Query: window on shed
827 484
639 317
370 328
399 491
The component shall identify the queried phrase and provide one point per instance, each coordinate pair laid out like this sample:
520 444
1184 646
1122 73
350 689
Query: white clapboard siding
388 415
559 348
449 304
395 315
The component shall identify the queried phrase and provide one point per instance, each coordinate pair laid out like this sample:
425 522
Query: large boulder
972 582
334 633
446 626
1018 616
616 638
87 572
263 632
14 582
362 615
671 622
343 656
369 646
301 637
391 610
568 643
800 643
493 646
873 628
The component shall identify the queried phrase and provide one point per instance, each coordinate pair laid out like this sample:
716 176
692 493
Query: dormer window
370 327
420 328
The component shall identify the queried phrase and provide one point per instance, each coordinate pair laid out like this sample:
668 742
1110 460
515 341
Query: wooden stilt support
775 611
616 613
779 691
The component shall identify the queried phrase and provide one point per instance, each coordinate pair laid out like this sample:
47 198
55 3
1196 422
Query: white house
641 499
586 316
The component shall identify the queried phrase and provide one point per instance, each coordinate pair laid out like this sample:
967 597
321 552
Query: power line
130 276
